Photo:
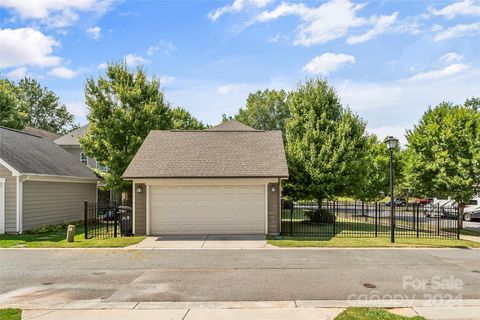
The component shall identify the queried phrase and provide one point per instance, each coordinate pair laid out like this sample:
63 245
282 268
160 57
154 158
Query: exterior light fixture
391 143
139 189
273 189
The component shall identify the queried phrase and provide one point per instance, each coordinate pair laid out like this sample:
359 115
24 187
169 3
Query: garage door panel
207 209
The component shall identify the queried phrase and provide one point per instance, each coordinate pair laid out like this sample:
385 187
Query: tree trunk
461 209
319 203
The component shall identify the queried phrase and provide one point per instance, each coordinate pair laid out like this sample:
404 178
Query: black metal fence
368 219
108 220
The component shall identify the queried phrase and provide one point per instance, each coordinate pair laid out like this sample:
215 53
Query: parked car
435 208
398 202
472 210
424 201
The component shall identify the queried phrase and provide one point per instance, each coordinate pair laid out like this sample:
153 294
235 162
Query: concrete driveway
203 241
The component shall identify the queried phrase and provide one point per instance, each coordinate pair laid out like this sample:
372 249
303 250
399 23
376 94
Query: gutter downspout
20 182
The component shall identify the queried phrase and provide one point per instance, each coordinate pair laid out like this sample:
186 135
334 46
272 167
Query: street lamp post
391 145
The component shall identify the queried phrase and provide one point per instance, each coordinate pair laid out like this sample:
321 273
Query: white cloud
163 47
330 20
133 60
26 46
440 73
381 25
55 13
78 109
237 6
227 89
17 73
63 72
166 79
460 30
94 32
450 56
464 8
102 66
327 62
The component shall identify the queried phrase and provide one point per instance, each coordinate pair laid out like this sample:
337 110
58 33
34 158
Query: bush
320 216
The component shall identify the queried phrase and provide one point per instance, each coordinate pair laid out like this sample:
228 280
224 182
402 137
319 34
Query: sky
388 60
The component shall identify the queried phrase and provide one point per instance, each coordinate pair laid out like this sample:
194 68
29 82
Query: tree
44 109
13 113
326 144
265 110
445 152
124 106
183 120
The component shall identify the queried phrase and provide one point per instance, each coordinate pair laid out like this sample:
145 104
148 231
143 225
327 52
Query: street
56 276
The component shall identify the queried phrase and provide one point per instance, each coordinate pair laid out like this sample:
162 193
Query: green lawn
372 314
370 242
10 314
55 237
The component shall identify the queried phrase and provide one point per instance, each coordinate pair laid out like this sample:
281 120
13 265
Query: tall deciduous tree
13 114
326 144
265 110
124 106
183 120
445 152
44 108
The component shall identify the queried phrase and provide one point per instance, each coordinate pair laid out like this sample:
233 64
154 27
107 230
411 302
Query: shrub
320 216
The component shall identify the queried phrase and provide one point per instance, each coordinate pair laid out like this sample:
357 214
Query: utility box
70 233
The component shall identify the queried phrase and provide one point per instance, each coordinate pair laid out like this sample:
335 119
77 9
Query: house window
83 158
101 168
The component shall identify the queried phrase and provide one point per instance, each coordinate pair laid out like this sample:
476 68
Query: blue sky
389 60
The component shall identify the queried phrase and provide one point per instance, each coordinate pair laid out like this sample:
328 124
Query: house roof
235 151
71 138
42 133
30 154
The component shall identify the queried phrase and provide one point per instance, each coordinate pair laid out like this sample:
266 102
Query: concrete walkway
202 241
268 310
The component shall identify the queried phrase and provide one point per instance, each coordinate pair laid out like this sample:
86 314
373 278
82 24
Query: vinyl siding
140 210
75 151
10 200
273 209
48 203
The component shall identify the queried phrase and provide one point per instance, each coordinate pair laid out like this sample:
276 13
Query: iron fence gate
367 219
108 220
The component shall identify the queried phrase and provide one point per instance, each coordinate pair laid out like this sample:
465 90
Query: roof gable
72 138
210 154
231 125
30 154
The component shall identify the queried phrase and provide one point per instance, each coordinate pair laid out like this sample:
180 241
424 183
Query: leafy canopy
12 113
183 120
124 106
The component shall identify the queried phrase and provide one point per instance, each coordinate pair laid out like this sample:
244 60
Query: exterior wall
10 200
273 209
140 210
47 203
75 151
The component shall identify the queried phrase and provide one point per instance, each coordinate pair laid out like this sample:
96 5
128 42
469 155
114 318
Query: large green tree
13 114
326 144
265 110
124 105
445 152
183 120
44 108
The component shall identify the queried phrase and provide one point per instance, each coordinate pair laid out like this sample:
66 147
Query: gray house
71 143
223 180
40 183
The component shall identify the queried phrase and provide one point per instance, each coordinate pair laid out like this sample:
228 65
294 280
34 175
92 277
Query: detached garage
223 180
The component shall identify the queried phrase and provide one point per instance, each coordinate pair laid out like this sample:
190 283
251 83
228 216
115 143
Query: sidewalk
258 310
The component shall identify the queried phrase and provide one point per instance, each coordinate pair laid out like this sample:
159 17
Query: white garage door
207 209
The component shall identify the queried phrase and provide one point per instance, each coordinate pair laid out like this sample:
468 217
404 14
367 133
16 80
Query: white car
472 210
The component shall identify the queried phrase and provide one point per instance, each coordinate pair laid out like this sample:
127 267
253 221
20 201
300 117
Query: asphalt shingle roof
42 133
71 138
31 154
235 151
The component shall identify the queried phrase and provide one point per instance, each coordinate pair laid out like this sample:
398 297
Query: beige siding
47 203
75 151
140 210
10 200
273 209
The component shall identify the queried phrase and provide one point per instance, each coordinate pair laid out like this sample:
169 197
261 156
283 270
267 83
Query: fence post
291 220
376 219
334 219
418 222
115 221
85 220
458 222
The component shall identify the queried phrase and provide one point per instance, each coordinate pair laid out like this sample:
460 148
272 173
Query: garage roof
30 154
230 150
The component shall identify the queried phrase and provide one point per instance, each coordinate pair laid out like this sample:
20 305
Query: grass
372 314
55 237
10 314
337 242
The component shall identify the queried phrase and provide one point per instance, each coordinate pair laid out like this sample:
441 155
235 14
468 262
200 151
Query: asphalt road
60 276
